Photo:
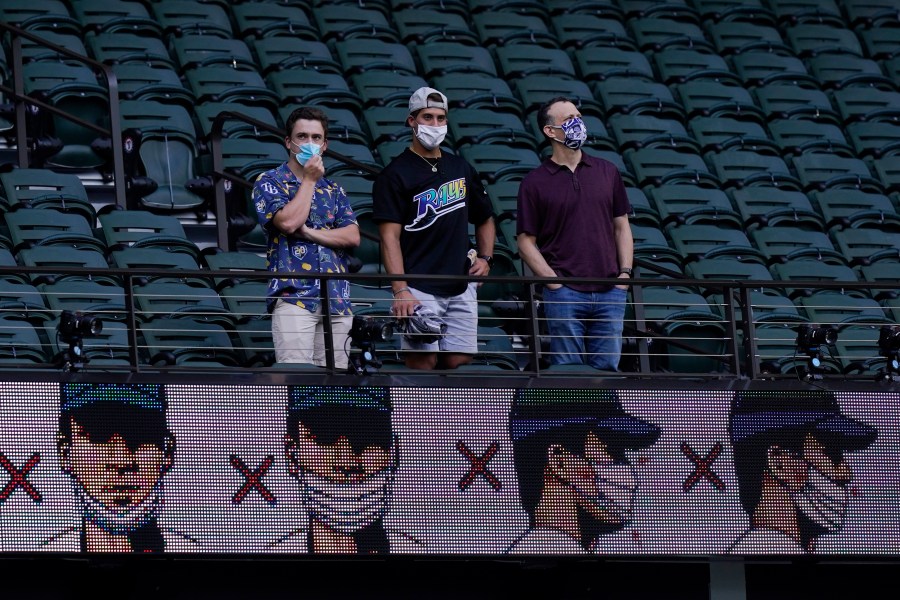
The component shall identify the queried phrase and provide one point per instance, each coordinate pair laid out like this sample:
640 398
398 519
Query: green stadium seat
663 166
193 51
878 274
473 90
496 28
142 229
80 256
229 84
717 99
35 52
170 342
715 134
736 168
89 297
147 82
440 58
658 33
874 138
359 55
867 13
738 37
637 131
679 205
758 68
634 95
31 226
125 48
298 87
599 63
24 301
695 242
811 39
642 211
254 343
785 100
881 42
73 89
785 243
383 88
762 206
518 61
182 17
424 27
818 170
277 20
815 271
43 15
676 65
845 208
836 71
114 17
207 112
834 308
246 301
798 136
343 21
578 30
477 126
887 169
867 104
499 162
20 344
387 123
279 52
159 261
146 116
866 246
733 10
42 188
159 299
535 90
651 246
857 350
801 11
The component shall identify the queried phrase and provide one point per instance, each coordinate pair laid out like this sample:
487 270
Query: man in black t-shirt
423 202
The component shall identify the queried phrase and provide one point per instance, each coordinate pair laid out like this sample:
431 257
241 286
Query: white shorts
299 335
460 313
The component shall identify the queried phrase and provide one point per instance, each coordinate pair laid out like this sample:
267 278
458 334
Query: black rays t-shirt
435 209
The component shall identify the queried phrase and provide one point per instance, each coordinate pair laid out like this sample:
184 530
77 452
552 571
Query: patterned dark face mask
575 132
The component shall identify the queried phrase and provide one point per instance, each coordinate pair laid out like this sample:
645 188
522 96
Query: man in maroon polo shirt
573 222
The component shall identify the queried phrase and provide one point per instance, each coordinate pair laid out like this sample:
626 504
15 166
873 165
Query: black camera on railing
74 326
809 338
364 333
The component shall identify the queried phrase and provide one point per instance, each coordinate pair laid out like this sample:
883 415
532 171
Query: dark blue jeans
585 327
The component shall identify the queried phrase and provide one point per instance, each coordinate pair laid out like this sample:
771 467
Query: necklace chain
433 166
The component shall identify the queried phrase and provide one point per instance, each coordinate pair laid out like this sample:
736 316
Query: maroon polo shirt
571 216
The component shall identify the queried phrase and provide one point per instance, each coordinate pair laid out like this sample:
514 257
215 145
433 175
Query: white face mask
823 500
119 522
431 136
347 507
616 489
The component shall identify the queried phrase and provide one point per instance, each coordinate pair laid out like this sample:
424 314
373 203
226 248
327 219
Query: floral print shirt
330 209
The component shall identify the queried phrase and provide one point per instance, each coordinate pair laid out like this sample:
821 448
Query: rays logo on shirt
433 204
269 188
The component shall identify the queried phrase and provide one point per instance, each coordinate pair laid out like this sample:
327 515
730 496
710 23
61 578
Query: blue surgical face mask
575 132
306 151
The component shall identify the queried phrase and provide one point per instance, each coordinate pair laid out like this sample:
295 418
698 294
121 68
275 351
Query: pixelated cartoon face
338 460
580 471
793 469
114 474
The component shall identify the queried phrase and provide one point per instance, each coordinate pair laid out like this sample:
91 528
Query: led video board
96 467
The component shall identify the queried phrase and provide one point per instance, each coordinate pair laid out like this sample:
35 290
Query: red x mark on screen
18 477
478 465
253 479
702 466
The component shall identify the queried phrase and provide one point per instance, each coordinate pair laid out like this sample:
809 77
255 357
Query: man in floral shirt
310 224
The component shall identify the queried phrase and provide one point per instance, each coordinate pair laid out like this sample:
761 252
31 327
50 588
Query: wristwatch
626 271
488 259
